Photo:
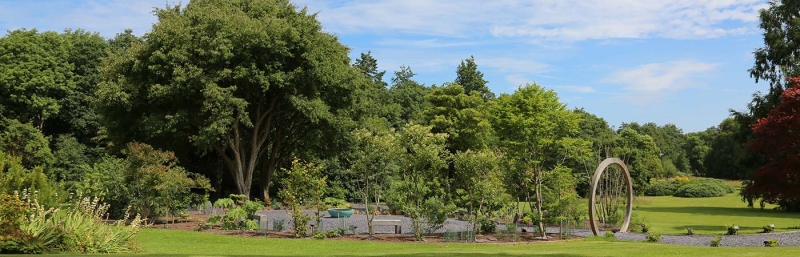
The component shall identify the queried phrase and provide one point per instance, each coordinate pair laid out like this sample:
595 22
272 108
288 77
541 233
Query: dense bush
661 188
16 177
32 228
148 180
703 187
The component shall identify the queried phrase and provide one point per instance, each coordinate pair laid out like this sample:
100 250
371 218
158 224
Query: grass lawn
159 242
672 215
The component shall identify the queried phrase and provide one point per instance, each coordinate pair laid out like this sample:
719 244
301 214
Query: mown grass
160 242
672 215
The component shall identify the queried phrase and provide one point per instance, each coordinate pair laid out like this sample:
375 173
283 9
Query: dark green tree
34 75
468 76
78 118
409 94
247 79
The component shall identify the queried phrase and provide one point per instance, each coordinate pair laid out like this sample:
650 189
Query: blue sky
683 62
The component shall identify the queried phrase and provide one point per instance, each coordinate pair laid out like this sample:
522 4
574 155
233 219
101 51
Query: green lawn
672 215
159 242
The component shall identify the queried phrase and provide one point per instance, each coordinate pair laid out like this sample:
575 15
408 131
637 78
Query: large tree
34 75
534 129
777 140
247 79
775 61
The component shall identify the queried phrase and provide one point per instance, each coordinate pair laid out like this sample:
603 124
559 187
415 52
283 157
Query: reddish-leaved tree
777 139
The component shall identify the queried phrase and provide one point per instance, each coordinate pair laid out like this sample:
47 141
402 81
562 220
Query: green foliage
24 141
703 187
277 225
77 227
252 207
419 189
14 212
769 228
661 188
732 229
147 180
376 160
224 203
771 242
157 184
652 237
248 79
535 131
458 114
609 234
468 76
336 202
304 185
105 179
69 158
34 74
482 192
715 242
14 177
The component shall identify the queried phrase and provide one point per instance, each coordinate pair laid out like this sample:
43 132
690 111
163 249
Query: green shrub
769 228
661 188
652 237
13 211
703 187
609 234
771 243
732 230
75 228
716 241
251 207
277 225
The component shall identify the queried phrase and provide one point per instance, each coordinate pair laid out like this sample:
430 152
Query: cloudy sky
682 61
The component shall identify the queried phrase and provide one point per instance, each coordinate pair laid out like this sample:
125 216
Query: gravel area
360 222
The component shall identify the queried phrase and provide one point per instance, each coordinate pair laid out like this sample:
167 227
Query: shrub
732 230
76 228
769 228
277 225
609 234
652 237
771 243
689 231
238 210
716 241
661 188
13 211
703 187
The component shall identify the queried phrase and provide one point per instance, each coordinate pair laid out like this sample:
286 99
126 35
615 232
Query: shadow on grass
721 211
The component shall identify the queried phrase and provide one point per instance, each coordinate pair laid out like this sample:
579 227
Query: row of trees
236 90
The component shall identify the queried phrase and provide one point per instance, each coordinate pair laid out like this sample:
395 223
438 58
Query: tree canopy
248 79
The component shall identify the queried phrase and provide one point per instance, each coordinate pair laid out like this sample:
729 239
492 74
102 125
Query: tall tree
726 155
777 140
84 52
409 94
376 160
533 126
468 76
247 79
463 117
34 75
774 62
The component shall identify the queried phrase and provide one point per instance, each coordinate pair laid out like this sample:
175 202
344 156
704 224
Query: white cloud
517 80
558 20
651 82
579 89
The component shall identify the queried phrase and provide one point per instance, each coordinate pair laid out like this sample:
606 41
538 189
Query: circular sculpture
592 198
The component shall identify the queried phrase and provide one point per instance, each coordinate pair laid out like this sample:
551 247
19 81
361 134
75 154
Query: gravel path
360 221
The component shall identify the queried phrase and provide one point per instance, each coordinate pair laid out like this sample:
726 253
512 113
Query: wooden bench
396 223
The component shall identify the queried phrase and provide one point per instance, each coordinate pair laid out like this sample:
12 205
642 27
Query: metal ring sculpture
597 173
